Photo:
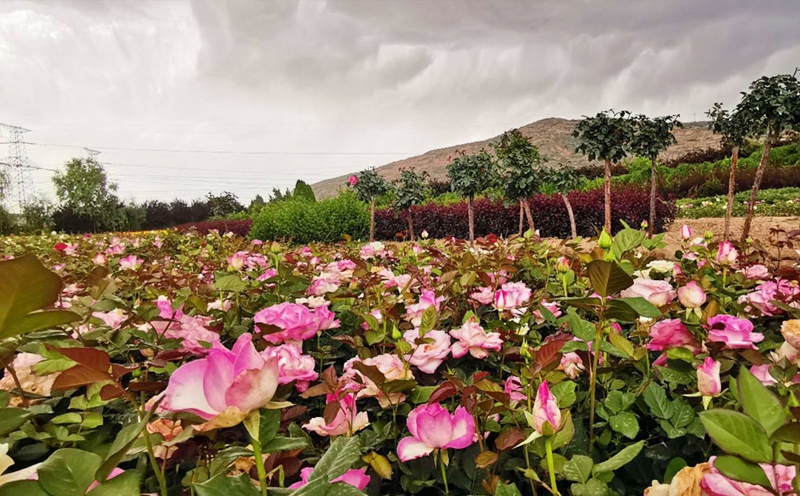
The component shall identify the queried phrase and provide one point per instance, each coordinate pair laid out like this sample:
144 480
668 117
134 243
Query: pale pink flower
293 365
431 352
356 477
236 261
218 304
392 368
572 365
756 272
659 293
761 372
473 339
726 253
779 476
733 331
99 259
671 333
348 419
552 307
484 295
686 232
512 295
130 262
433 427
708 382
426 299
511 388
545 410
691 295
325 283
113 318
231 382
370 250
297 322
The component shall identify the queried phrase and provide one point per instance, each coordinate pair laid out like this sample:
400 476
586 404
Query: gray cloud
354 76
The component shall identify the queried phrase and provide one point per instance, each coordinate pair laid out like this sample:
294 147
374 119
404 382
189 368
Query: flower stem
551 465
444 475
262 473
162 481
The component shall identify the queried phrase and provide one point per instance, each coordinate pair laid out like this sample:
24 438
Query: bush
304 222
238 227
550 215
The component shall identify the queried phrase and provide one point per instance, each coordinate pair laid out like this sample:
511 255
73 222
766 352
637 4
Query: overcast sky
315 89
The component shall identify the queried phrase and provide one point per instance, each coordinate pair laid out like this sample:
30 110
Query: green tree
519 162
651 137
369 185
562 180
606 137
256 205
83 187
37 214
410 190
734 131
771 107
223 205
471 175
303 191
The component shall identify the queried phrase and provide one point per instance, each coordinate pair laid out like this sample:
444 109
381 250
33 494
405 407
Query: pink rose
756 272
232 382
433 427
353 180
392 368
236 261
686 232
761 372
112 319
348 419
472 339
572 365
659 293
545 410
357 478
671 333
726 253
779 289
733 331
426 299
512 295
297 322
321 285
708 382
779 476
429 351
551 307
483 295
130 262
692 295
292 365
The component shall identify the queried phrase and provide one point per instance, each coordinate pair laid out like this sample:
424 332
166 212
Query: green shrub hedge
303 221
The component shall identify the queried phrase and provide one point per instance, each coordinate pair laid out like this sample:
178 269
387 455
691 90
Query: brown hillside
552 136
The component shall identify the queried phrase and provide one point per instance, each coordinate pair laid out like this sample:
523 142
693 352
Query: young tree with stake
651 137
368 186
734 131
771 107
606 137
519 162
470 175
410 190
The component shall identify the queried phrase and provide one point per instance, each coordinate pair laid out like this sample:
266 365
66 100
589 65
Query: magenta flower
733 331
292 365
433 427
429 351
659 293
708 382
353 180
726 253
511 386
761 298
686 232
297 322
545 410
226 382
692 295
426 299
761 372
756 272
472 339
671 333
512 295
357 478
779 476
348 419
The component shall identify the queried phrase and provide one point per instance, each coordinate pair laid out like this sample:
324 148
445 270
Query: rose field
185 364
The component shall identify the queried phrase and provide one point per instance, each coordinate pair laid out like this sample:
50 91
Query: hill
553 137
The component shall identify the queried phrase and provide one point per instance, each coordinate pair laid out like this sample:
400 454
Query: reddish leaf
372 372
331 410
118 370
477 376
111 391
147 386
508 439
444 391
317 390
550 350
485 458
329 377
88 357
77 376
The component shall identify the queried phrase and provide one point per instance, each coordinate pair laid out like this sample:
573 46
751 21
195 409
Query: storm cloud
334 87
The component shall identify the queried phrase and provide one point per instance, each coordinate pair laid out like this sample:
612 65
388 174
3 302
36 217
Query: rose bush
187 363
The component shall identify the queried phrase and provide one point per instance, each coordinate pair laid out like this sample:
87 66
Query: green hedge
302 221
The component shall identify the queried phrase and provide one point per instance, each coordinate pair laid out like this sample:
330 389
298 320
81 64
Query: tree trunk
571 216
607 194
372 220
756 183
731 192
410 225
521 215
528 214
653 191
471 216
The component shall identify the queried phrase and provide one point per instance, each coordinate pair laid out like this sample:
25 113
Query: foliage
471 175
301 222
370 185
519 163
410 189
237 227
771 105
652 136
606 136
731 126
303 192
83 190
223 204
771 202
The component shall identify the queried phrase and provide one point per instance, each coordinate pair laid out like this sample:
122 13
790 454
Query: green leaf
316 487
509 489
69 472
220 485
624 456
25 287
737 434
342 454
125 484
282 443
622 344
607 278
421 394
24 487
673 467
343 489
787 433
229 282
625 423
642 307
656 398
11 419
269 425
67 418
580 328
759 403
626 240
737 469
578 469
122 443
428 320
592 488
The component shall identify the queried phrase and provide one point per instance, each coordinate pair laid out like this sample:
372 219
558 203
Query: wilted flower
433 427
733 331
708 382
545 410
572 365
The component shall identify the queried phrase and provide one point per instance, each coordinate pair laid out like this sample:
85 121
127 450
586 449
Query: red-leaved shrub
550 215
237 227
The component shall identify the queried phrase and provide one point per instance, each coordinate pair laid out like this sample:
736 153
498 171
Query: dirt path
759 230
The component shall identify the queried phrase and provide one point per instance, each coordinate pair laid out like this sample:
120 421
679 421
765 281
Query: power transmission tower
17 166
